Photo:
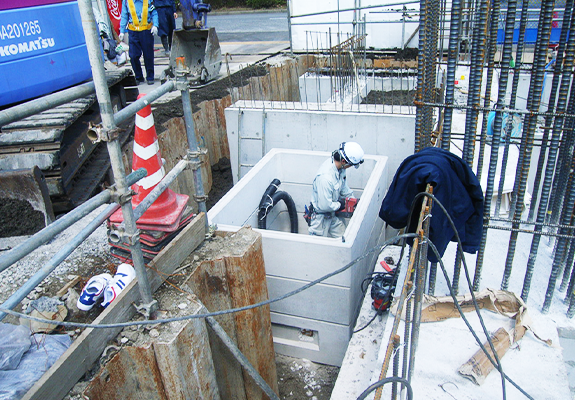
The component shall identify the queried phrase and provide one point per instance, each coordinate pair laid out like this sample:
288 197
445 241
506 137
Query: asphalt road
248 27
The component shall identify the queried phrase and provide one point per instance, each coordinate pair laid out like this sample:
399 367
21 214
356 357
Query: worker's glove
121 37
341 204
154 30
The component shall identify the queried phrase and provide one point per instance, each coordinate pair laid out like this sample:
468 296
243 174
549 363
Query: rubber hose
287 199
266 198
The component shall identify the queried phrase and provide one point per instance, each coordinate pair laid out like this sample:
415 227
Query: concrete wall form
315 324
253 131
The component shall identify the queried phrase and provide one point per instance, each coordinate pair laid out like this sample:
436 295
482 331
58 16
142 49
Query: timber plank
208 282
86 349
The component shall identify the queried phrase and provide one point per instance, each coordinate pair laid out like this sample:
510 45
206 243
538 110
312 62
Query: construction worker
167 16
330 190
140 18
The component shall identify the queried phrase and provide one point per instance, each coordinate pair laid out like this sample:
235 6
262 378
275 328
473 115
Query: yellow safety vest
139 25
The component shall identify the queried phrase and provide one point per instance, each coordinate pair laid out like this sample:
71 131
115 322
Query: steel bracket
121 198
96 133
147 310
119 235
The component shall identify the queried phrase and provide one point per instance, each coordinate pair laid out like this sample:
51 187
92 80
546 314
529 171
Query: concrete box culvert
315 324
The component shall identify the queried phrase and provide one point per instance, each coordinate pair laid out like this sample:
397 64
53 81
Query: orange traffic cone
165 213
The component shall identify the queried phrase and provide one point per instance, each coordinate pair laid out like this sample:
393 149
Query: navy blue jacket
455 186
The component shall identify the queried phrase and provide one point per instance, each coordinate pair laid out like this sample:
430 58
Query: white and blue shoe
93 290
124 275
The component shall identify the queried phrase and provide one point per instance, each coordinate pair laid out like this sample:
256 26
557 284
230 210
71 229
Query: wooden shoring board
87 348
234 280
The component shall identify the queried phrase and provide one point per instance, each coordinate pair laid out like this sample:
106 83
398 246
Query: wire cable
497 364
215 313
382 382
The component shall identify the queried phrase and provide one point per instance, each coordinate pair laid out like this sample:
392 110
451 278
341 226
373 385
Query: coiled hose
270 199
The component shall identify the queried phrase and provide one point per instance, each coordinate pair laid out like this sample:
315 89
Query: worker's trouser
142 42
326 225
167 25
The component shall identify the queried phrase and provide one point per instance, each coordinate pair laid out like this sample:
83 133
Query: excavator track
56 141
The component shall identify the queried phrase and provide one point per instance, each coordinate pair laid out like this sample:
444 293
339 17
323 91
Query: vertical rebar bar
550 108
432 279
452 54
497 125
533 102
491 50
421 63
514 86
475 79
396 341
566 73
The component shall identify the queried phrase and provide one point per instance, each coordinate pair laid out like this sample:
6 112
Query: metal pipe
533 102
352 9
241 358
44 103
60 256
43 236
194 155
136 106
159 189
114 150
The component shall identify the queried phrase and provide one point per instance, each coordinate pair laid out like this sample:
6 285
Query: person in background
140 19
167 16
330 190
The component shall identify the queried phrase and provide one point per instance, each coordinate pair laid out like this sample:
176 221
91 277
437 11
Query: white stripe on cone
145 153
151 180
144 123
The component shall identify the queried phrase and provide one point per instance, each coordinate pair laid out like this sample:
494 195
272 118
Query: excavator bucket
200 51
25 203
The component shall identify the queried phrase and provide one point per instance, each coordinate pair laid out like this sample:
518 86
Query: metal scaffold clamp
193 158
147 310
96 133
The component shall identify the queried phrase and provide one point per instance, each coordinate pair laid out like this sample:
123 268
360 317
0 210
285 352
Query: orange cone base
159 218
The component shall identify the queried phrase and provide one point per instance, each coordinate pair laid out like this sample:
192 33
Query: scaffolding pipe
60 256
533 101
194 152
137 105
241 358
44 103
115 152
43 236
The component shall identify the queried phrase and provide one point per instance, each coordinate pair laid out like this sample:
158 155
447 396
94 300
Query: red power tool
348 209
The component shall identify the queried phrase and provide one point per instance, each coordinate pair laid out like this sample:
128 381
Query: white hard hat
352 153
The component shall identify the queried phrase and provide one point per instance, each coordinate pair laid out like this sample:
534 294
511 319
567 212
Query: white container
315 324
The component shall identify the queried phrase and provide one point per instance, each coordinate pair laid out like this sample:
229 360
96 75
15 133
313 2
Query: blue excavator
47 163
